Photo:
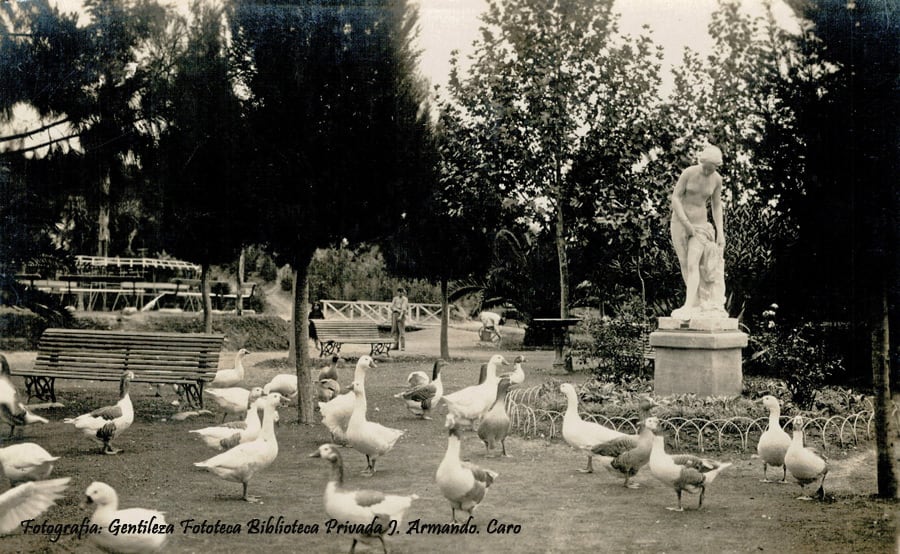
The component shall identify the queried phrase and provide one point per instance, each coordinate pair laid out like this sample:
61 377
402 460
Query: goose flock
248 446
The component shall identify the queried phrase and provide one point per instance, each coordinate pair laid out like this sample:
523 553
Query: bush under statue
698 348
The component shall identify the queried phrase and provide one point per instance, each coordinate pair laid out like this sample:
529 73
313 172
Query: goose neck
337 473
452 448
571 405
360 407
268 423
658 450
106 512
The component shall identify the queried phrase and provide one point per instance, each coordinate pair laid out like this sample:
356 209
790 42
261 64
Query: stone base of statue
701 355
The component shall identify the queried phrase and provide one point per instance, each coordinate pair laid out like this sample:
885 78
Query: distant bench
186 359
331 334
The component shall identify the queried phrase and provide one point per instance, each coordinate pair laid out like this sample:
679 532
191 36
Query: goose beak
315 454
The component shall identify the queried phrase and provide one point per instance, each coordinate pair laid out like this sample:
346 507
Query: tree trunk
886 439
207 298
103 236
445 320
561 247
292 343
239 299
306 399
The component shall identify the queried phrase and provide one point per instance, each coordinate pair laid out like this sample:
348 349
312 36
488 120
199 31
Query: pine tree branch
34 131
36 146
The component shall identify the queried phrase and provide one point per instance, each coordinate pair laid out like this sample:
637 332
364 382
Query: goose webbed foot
248 498
590 466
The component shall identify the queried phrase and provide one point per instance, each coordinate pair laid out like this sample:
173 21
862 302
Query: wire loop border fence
531 421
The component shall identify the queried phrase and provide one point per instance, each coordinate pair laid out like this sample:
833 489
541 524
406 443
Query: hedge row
21 328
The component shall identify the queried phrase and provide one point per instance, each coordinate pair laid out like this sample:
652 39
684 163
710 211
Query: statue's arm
677 207
716 204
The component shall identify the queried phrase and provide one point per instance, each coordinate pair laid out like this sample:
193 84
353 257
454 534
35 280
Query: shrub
257 302
287 282
613 346
254 332
22 324
799 355
268 271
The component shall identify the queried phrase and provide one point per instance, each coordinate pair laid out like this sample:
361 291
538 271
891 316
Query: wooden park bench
331 334
186 359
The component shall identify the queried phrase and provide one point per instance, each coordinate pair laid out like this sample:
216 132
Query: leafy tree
199 162
846 252
336 112
549 98
87 83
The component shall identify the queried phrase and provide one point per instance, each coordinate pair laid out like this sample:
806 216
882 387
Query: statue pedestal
700 356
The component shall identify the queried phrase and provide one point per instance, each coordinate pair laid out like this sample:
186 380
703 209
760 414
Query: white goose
581 434
684 473
107 511
361 507
370 438
231 377
462 483
804 463
517 375
12 410
470 404
421 399
233 400
233 433
774 442
28 501
417 379
284 384
242 462
494 426
337 411
109 422
26 462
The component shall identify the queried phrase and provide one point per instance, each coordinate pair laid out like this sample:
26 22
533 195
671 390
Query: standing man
698 244
399 311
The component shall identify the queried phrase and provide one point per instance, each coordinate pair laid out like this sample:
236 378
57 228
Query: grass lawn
539 491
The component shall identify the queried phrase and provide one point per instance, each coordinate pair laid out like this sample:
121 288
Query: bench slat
125 356
72 341
142 377
121 367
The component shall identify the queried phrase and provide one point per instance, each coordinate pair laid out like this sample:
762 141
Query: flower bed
706 424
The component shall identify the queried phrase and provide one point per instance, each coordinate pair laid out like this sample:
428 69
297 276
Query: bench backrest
327 329
91 353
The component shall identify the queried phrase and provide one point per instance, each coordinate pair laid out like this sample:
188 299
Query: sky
446 25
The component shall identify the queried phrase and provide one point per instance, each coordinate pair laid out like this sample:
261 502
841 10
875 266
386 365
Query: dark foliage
845 255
